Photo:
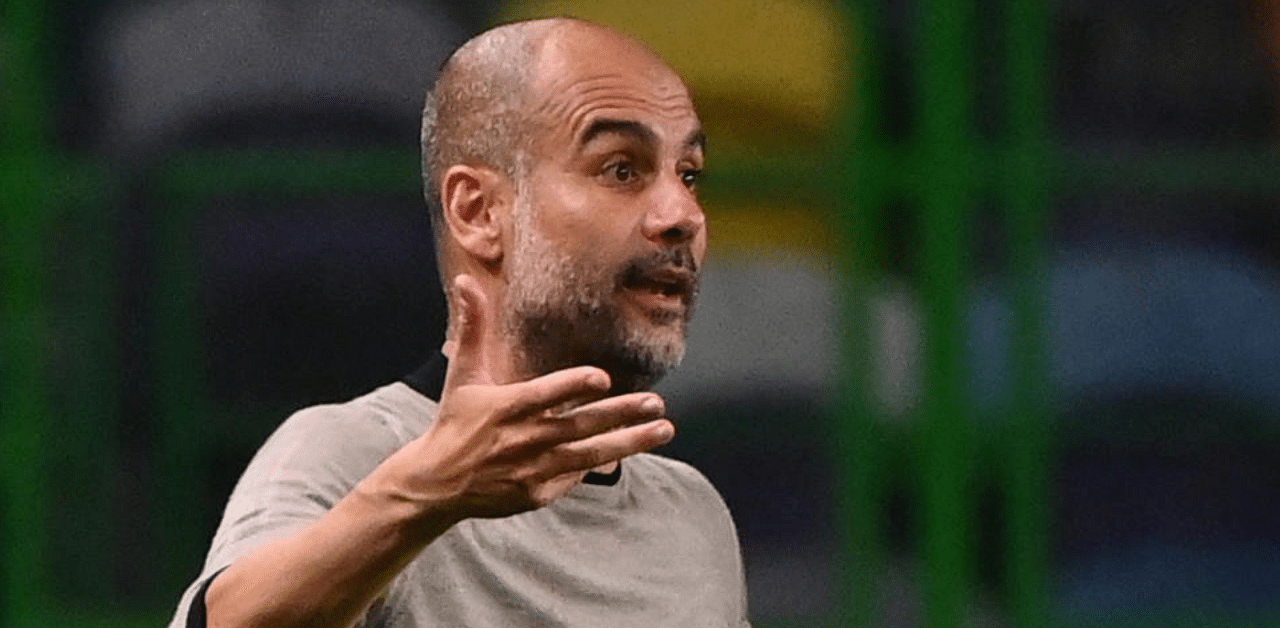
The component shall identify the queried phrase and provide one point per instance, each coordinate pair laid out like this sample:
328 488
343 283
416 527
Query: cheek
567 212
595 233
700 247
596 224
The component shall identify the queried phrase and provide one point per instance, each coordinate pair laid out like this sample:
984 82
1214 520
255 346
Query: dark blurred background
988 335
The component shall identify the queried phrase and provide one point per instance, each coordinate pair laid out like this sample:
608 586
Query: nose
675 217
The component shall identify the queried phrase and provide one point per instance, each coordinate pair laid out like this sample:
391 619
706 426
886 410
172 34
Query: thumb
472 318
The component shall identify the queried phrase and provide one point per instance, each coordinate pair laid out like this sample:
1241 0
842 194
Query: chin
644 360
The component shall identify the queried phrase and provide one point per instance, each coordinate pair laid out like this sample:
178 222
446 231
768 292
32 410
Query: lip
670 283
665 288
676 281
649 300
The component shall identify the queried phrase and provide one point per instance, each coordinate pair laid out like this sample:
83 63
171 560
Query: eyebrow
619 127
640 131
697 139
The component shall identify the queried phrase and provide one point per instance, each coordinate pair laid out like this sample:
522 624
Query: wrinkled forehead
582 70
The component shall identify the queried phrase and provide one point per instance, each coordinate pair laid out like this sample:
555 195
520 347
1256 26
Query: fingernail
665 431
651 405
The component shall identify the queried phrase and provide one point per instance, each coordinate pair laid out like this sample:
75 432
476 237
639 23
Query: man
560 161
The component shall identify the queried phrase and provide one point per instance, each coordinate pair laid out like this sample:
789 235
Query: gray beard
561 312
550 339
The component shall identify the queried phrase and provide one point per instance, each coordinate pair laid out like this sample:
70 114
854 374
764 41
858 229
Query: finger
603 415
471 322
589 453
580 384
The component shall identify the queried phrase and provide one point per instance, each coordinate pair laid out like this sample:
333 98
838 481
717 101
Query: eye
621 171
691 177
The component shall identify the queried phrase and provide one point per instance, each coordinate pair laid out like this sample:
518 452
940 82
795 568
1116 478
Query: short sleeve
311 462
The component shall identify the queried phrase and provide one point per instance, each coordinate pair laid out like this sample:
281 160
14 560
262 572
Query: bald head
485 107
561 161
473 113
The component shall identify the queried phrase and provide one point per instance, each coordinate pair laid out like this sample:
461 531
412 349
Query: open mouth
662 286
664 281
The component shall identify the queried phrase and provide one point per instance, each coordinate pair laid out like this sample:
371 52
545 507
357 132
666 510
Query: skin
506 442
613 198
610 191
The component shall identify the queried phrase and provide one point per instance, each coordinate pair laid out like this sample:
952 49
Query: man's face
608 234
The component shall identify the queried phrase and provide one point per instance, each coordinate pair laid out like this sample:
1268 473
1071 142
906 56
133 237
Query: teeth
655 287
658 288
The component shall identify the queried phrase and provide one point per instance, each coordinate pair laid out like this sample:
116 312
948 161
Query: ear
476 200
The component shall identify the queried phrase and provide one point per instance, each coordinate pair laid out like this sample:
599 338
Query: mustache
673 258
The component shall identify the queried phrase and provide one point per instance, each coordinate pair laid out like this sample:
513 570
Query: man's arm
494 450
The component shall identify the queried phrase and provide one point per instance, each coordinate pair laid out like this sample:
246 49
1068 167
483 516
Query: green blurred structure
942 171
27 174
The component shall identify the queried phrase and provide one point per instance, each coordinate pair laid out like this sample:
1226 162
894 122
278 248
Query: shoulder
325 450
386 418
313 459
691 507
676 479
655 465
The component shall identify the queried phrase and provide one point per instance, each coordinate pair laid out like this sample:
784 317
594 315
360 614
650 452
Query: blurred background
988 335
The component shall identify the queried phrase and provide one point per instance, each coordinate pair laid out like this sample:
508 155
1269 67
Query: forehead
586 73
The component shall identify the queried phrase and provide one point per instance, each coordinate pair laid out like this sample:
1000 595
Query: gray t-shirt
658 548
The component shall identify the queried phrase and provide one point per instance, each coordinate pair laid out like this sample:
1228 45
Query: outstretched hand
499 449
